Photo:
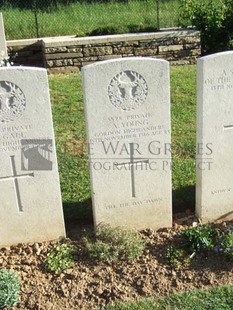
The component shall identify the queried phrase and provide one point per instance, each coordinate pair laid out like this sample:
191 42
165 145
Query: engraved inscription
224 81
15 178
12 135
135 203
220 191
127 90
12 102
130 126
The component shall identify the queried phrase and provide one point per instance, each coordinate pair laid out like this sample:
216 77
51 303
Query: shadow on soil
183 200
79 223
79 215
78 218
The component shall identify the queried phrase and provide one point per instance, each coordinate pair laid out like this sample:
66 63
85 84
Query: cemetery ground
90 284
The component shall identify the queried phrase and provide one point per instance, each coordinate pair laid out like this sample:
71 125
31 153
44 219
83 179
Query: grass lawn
83 18
216 298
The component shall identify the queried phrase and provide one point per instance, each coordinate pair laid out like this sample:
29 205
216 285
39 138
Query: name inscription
129 127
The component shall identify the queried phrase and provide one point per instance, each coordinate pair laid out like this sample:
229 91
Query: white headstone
3 47
30 199
127 104
214 188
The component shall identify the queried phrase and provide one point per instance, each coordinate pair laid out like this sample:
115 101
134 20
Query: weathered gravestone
127 106
3 47
30 199
214 188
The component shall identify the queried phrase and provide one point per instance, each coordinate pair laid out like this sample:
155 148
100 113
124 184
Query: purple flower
217 248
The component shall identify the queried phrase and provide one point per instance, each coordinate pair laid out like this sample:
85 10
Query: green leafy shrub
214 18
9 288
111 244
108 30
141 28
200 238
118 29
60 258
176 257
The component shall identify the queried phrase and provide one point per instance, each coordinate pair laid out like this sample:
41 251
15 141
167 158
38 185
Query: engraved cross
132 164
226 127
15 178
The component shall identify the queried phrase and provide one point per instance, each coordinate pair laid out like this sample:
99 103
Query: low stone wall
176 46
26 52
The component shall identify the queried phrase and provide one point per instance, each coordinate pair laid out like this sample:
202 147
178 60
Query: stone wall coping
24 42
73 40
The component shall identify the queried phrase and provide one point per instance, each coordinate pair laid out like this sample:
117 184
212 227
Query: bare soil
90 284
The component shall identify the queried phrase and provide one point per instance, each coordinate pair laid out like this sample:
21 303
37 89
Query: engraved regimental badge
12 101
127 90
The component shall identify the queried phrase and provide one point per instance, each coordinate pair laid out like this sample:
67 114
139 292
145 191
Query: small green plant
225 245
176 257
200 238
60 258
111 244
9 288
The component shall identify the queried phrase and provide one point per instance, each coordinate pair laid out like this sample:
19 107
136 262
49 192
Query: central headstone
30 198
128 126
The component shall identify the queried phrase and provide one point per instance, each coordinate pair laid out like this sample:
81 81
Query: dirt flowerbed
90 284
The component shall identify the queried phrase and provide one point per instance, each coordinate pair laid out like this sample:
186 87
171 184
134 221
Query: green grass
183 98
83 18
216 298
68 117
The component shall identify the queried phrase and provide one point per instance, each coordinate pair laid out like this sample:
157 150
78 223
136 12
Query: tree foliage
214 18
